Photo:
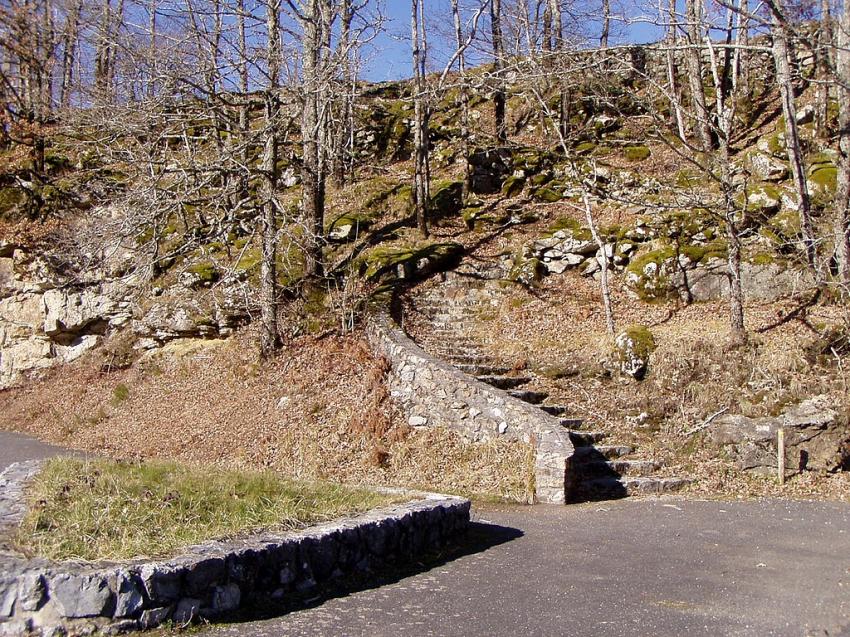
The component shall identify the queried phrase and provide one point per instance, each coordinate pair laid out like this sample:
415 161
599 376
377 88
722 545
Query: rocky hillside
96 270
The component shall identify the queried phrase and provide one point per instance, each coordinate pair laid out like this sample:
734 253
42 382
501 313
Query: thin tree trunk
693 14
311 188
741 65
606 23
792 138
824 66
842 200
72 30
269 337
421 194
464 103
341 155
603 279
672 73
498 70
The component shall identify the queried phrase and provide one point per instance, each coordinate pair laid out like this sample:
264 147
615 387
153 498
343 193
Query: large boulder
489 168
763 281
817 436
768 168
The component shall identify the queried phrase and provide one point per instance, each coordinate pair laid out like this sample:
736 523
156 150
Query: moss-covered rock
585 148
526 270
513 185
397 263
446 198
648 274
349 226
546 195
201 274
636 153
824 178
763 200
567 227
634 345
10 201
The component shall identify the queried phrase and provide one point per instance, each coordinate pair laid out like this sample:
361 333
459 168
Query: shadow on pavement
479 537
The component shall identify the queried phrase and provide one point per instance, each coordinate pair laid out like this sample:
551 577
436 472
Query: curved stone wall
433 393
38 597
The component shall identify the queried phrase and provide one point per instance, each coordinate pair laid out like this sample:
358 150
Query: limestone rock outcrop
817 437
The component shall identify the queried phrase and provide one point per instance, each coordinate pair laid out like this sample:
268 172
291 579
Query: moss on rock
648 274
513 185
400 262
636 153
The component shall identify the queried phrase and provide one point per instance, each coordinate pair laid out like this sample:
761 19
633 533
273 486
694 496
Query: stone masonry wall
433 393
38 597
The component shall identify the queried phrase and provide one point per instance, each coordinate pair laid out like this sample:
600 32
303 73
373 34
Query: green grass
105 509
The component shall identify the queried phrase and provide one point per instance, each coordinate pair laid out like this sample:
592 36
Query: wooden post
780 455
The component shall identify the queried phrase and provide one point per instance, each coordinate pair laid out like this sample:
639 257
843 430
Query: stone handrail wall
433 393
39 597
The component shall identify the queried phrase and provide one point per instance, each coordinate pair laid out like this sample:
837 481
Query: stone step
441 317
472 359
571 423
443 304
505 382
555 410
457 353
482 369
602 452
533 397
609 488
586 438
616 468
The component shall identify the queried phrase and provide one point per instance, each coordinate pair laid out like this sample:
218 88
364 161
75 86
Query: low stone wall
433 393
212 579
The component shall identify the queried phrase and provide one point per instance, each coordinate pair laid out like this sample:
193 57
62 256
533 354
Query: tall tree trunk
824 64
152 43
313 205
69 52
672 72
464 103
694 17
269 336
724 112
342 154
842 199
498 70
421 185
741 64
792 137
606 23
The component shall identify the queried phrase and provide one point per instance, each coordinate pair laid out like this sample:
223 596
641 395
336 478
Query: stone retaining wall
433 393
212 579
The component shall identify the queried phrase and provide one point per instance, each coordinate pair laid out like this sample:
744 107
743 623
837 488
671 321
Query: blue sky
389 57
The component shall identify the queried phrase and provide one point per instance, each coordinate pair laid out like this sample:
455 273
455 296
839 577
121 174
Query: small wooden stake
780 455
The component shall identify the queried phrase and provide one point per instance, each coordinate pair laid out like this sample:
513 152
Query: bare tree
694 32
606 23
269 336
792 136
421 167
842 200
312 176
498 41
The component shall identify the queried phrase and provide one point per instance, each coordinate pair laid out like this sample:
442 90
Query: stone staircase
444 317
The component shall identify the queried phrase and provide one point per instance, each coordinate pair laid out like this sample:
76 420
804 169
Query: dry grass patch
319 411
104 509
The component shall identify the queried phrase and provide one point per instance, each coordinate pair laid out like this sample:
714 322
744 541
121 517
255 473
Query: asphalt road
16 447
664 567
651 567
